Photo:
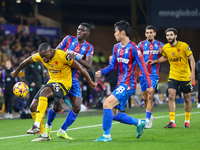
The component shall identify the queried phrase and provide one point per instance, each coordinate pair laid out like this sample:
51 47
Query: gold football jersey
58 67
178 60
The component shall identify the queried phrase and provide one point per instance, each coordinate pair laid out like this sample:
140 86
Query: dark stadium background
102 14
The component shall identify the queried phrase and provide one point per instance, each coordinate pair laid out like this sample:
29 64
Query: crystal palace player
82 51
150 51
125 56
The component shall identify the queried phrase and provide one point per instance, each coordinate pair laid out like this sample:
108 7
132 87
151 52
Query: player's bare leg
188 107
149 109
144 97
172 108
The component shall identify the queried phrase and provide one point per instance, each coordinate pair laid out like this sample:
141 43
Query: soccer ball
20 89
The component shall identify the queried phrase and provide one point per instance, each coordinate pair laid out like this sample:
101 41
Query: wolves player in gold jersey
59 66
180 75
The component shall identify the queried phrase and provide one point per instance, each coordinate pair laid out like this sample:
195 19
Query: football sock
172 116
187 116
37 123
33 115
51 116
61 131
42 106
148 114
42 129
44 134
107 121
71 117
124 118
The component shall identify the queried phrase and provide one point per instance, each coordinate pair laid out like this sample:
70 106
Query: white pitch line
9 137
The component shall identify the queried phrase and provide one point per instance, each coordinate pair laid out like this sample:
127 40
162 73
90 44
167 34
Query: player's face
46 55
171 37
118 35
150 34
82 32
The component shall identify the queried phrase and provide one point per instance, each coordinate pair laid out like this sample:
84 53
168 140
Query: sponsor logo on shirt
175 59
123 60
150 52
75 53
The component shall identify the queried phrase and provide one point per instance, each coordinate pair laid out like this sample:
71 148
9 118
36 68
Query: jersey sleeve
66 60
161 44
37 58
113 63
90 51
163 52
63 44
140 61
187 49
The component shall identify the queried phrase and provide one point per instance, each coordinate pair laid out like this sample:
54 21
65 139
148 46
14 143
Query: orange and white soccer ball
20 89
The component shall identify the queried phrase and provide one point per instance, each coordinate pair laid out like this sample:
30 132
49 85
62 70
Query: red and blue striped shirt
71 45
126 59
150 52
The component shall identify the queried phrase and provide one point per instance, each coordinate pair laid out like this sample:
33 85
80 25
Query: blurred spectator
34 76
100 92
20 105
2 32
198 72
85 92
99 59
7 82
3 20
112 77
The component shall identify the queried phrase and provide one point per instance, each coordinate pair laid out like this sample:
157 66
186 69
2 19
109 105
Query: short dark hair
172 29
123 25
44 47
86 25
150 27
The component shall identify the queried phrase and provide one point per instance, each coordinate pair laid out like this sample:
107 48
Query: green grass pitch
87 128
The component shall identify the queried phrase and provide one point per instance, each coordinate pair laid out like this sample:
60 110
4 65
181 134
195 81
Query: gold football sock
187 116
42 106
42 128
33 114
172 116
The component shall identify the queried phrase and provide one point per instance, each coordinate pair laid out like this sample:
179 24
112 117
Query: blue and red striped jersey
126 59
71 45
150 52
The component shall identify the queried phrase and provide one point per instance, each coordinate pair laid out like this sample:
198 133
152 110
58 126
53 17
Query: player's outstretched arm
21 66
78 66
192 64
159 60
87 63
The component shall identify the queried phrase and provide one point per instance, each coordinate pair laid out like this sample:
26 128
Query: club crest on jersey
51 66
34 55
67 57
83 48
173 53
126 51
